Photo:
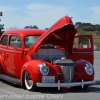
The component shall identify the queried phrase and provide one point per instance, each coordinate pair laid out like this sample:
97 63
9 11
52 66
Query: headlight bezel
44 69
89 68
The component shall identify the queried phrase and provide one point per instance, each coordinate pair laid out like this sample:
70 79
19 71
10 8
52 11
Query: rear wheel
29 82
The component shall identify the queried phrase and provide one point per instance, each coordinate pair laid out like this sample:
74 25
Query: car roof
25 32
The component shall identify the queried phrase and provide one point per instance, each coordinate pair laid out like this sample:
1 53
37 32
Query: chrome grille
68 72
67 66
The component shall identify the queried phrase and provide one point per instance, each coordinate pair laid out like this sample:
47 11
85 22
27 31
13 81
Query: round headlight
44 69
89 68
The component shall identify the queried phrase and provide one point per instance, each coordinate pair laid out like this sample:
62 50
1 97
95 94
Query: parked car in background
47 58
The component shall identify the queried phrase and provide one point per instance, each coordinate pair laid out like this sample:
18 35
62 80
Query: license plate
48 79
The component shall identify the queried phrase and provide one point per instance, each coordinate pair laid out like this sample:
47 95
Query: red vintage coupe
56 57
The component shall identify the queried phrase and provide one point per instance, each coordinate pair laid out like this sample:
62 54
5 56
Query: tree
46 28
88 28
1 29
78 24
35 26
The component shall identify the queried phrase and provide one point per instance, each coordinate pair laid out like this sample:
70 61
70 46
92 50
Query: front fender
34 70
80 71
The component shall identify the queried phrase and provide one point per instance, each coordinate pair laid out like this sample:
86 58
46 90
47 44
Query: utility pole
1 25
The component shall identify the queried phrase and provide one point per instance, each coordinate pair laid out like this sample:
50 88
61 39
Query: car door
82 48
15 56
3 50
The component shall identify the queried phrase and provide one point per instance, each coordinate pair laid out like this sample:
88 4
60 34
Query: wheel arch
22 79
33 68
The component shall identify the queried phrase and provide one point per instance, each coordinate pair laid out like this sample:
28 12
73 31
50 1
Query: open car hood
61 33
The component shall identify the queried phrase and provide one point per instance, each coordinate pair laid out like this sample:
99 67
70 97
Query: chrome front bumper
69 84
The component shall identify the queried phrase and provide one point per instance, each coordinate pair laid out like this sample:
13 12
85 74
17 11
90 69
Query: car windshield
29 40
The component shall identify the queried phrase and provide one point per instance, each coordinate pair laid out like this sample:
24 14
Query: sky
44 13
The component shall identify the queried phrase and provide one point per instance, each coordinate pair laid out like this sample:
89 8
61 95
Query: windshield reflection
29 40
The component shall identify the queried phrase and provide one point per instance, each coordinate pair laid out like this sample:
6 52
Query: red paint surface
14 62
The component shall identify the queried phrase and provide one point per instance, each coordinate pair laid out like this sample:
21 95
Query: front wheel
85 87
29 82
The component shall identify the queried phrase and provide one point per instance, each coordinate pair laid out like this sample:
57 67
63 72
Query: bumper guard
68 84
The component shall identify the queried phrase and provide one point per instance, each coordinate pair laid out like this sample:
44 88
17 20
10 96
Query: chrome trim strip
70 74
12 51
65 84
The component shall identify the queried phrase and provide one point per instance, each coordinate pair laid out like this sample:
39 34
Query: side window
15 42
82 43
4 40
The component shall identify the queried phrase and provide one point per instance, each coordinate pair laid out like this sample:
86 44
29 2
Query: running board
10 79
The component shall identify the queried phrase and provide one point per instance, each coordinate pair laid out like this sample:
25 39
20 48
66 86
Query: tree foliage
88 28
32 26
1 29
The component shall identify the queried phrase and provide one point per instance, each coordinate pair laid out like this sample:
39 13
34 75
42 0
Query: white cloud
7 9
9 12
42 15
95 13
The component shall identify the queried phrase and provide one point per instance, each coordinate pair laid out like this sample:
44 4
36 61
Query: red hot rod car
56 57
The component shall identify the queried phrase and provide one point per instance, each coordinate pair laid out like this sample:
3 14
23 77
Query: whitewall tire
29 82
